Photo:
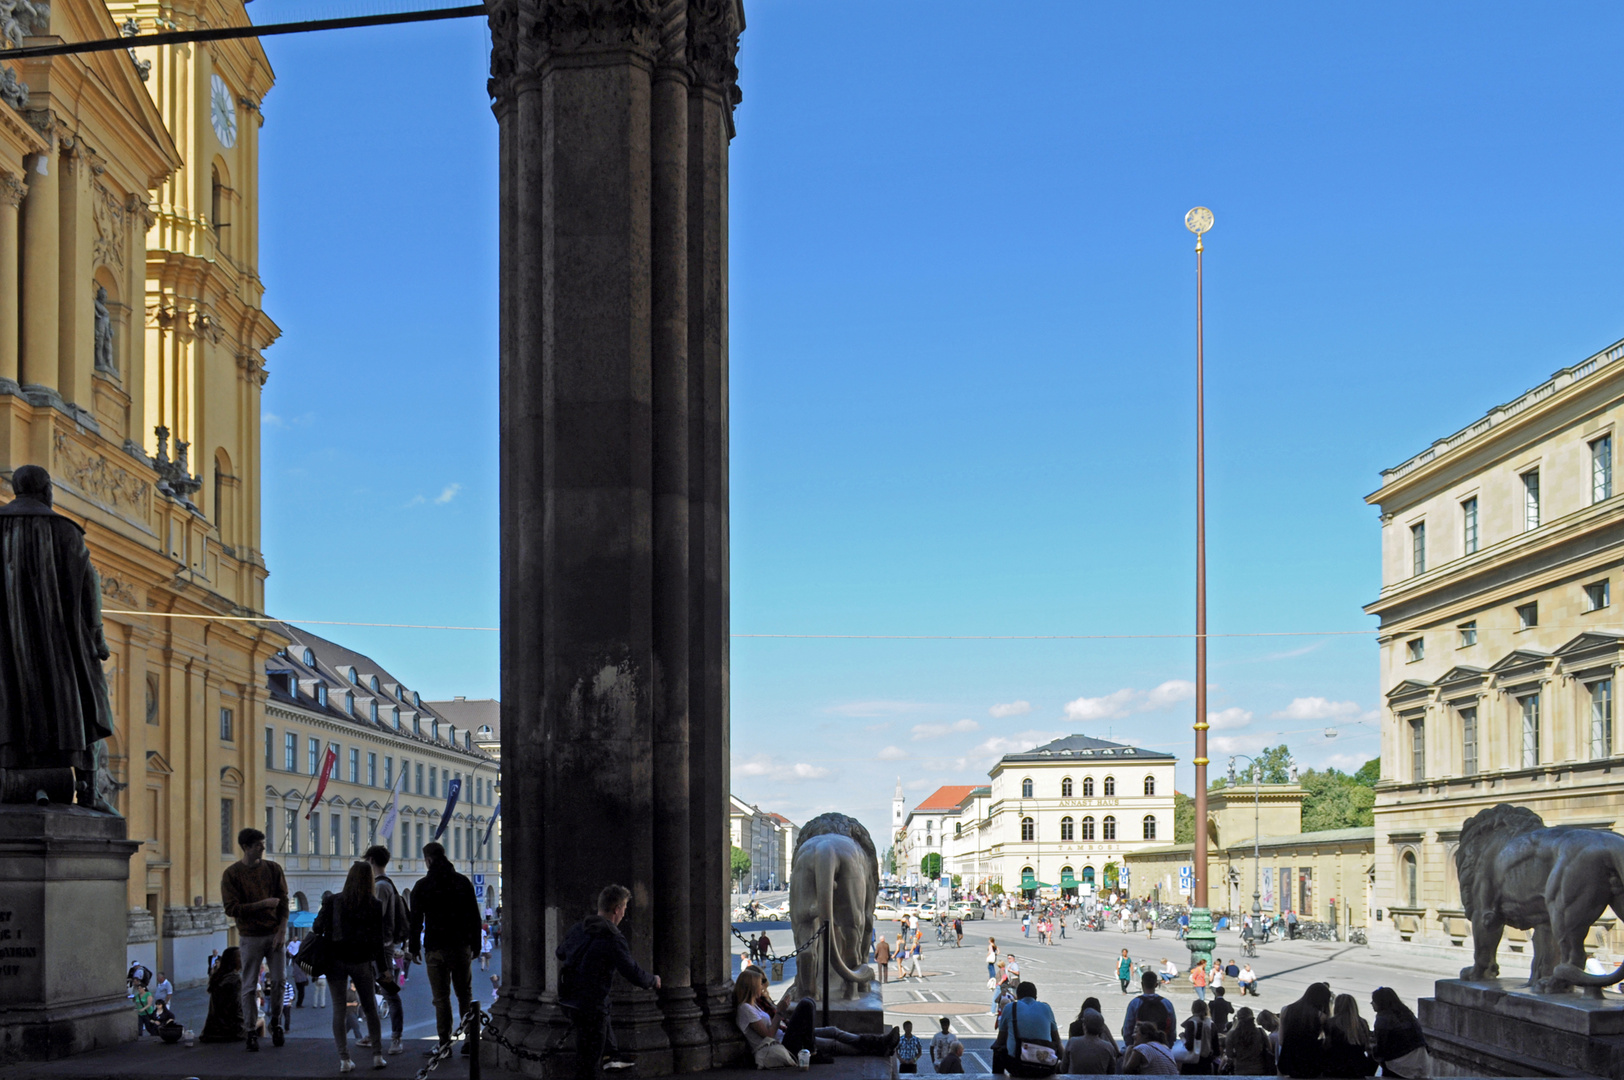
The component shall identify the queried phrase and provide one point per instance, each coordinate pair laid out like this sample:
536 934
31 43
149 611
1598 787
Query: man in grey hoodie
590 954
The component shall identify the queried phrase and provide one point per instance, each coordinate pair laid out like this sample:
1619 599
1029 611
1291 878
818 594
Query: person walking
352 921
445 927
992 963
1124 970
958 933
1198 979
1291 925
162 990
591 953
485 948
254 892
941 1043
397 928
300 978
909 1049
882 957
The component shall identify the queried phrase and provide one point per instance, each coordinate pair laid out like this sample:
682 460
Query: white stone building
755 833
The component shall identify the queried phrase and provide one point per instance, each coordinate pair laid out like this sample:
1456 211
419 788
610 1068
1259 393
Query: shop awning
1034 883
1068 882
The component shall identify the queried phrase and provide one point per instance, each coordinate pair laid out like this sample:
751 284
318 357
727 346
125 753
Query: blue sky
962 351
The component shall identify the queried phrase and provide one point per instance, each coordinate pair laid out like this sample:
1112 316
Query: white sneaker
378 1062
346 1064
395 1047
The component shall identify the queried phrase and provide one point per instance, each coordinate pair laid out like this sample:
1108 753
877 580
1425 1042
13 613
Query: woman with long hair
1247 1046
1347 1041
224 1023
1400 1046
353 921
1077 1028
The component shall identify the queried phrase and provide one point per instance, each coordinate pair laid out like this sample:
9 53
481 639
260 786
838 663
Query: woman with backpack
352 923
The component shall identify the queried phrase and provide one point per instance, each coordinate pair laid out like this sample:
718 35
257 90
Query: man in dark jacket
591 953
445 934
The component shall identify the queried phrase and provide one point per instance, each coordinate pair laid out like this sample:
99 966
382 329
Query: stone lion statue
833 878
1556 882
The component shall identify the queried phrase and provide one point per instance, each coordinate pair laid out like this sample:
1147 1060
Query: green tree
1334 800
1183 818
890 860
930 867
1369 772
741 864
1110 875
995 889
958 881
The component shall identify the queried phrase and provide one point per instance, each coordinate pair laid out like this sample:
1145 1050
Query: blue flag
452 790
492 825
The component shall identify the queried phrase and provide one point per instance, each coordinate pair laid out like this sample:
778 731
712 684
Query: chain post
475 1015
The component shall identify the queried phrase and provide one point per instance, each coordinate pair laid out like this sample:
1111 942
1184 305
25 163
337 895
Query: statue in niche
104 333
54 710
13 91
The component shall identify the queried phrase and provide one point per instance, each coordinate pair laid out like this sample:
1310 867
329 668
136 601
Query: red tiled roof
945 798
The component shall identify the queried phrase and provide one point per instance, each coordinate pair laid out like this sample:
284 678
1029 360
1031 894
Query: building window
374 684
1088 827
1418 748
434 782
321 694
290 831
1068 829
1150 785
290 752
372 769
1530 730
1028 829
1528 615
228 826
309 658
1601 469
456 844
1468 633
270 828
1418 548
420 778
335 825
388 772
355 676
1110 786
1150 826
394 712
373 707
1468 518
1065 788
355 765
1601 719
372 831
270 748
1468 739
1597 596
355 836
349 702
227 726
1530 482
434 730
1408 873
332 772
1088 787
1415 649
1108 828
315 834
1088 875
1026 788
313 753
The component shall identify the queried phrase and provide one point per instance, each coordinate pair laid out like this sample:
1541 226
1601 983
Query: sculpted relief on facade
92 474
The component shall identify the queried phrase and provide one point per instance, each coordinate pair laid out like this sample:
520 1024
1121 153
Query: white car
886 913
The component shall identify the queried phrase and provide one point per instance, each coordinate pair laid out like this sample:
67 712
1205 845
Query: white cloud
1235 717
876 708
998 746
1238 744
1127 701
892 753
274 420
936 731
448 493
768 767
1013 708
1317 708
1347 762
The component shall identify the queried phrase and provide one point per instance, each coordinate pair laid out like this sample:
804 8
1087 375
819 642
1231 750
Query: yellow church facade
131 341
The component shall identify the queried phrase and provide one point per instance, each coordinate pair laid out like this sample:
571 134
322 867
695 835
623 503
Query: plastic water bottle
803 1060
189 1038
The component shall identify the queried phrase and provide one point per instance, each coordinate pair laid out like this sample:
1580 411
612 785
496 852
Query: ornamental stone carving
574 25
116 590
12 190
98 478
713 46
23 18
13 91
111 221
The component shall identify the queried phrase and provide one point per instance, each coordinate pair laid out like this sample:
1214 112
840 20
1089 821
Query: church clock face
223 111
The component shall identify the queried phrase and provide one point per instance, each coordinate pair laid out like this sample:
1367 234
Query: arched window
321 694
216 201
1029 830
958 830
375 690
1150 826
1066 872
309 658
1026 788
434 730
1150 785
1088 787
1110 786
1408 875
1088 875
1065 788
1108 827
1067 828
394 711
1088 827
349 703
374 712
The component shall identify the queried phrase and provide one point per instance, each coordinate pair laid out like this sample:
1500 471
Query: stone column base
63 929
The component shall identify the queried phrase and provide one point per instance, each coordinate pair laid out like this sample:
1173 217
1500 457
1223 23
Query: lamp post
1257 788
1200 937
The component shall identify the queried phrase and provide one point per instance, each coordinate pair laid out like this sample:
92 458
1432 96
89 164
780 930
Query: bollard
828 934
477 1015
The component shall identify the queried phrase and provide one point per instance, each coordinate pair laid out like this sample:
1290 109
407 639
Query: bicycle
1248 947
942 934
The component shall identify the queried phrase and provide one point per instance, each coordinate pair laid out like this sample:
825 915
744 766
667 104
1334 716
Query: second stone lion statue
1556 882
834 878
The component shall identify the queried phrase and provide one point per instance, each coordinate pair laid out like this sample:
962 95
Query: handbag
773 1054
316 955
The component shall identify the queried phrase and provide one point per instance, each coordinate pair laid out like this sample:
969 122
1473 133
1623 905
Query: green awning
1068 882
1034 883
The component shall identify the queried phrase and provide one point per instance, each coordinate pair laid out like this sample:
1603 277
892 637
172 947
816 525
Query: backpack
1152 1010
397 915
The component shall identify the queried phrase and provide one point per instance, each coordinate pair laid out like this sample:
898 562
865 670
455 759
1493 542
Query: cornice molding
283 711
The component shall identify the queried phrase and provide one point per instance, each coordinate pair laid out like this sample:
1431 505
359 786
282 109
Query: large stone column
613 470
12 190
41 238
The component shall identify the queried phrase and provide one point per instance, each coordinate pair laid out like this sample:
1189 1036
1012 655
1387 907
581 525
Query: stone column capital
565 26
12 190
713 45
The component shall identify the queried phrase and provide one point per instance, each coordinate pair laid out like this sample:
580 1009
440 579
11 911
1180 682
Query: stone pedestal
1497 1027
861 1015
63 905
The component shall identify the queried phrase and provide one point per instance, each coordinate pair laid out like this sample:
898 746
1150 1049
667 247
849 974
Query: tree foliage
741 864
930 867
1183 818
1331 799
1110 875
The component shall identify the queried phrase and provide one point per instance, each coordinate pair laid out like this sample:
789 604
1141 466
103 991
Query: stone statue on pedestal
104 333
834 881
54 710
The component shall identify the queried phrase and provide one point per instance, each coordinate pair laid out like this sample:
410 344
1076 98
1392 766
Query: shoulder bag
316 953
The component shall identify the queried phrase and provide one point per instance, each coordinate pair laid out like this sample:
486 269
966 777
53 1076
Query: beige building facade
1500 644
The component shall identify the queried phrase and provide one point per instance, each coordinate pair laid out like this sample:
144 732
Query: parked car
967 910
886 913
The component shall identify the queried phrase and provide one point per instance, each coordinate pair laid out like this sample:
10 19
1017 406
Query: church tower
899 813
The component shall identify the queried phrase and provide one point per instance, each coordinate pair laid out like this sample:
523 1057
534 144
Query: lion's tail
828 867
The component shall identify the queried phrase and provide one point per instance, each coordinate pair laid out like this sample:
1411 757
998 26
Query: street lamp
1200 937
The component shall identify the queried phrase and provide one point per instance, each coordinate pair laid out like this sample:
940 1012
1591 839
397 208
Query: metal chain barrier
484 1027
811 941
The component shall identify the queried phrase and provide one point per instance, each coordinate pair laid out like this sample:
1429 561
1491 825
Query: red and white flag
329 765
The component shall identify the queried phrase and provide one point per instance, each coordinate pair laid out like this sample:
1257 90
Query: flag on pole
452 790
386 828
492 825
329 765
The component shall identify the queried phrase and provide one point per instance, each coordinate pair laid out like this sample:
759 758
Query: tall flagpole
1200 937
